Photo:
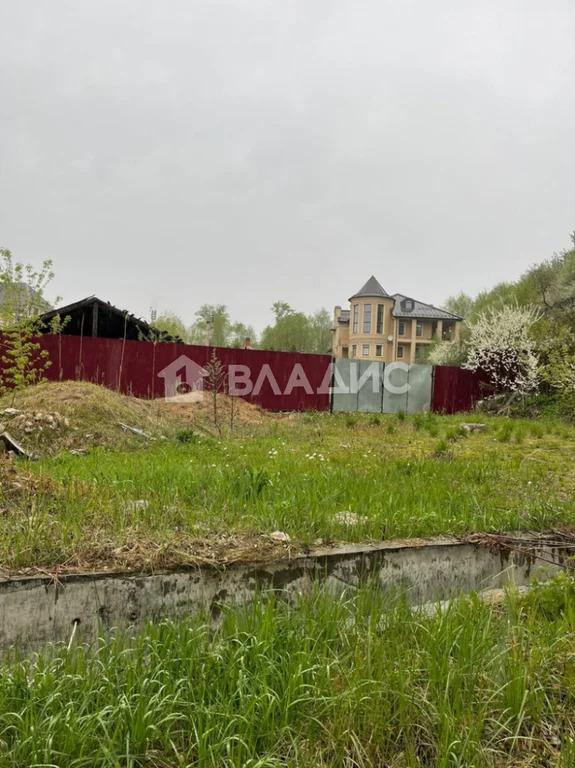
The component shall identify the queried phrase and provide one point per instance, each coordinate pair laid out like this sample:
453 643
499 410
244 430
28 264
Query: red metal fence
279 381
455 389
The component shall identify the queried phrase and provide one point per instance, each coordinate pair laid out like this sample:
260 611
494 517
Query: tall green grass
357 681
424 477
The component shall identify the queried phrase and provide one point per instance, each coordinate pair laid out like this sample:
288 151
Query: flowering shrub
500 343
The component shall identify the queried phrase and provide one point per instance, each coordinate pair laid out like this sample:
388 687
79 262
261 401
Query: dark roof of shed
371 288
89 301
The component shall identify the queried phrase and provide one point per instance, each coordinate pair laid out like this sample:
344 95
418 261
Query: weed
505 433
442 448
401 415
187 436
250 483
536 430
418 421
351 420
455 433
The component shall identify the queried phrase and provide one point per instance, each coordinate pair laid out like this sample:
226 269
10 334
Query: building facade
389 328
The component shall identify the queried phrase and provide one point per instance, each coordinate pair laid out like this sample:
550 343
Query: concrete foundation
35 611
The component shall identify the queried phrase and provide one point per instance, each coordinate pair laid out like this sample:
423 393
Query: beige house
387 328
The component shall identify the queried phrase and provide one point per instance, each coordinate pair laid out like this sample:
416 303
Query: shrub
187 436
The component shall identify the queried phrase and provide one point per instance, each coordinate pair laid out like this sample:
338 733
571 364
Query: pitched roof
371 288
110 322
344 316
420 310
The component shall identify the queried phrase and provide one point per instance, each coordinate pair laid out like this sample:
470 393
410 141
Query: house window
355 318
401 328
365 350
379 325
399 351
367 318
378 350
419 329
354 350
344 352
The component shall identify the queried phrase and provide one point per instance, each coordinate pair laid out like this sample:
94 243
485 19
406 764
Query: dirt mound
55 416
200 411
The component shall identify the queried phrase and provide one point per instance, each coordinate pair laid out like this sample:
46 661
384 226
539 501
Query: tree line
290 331
521 333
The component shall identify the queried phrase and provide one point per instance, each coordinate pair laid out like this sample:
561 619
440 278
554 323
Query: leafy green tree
239 333
171 323
213 323
297 332
461 305
212 326
23 362
321 339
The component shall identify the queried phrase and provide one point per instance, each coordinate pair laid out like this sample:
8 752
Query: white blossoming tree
500 343
447 353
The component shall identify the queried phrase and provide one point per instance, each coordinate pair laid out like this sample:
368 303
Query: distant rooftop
371 288
419 309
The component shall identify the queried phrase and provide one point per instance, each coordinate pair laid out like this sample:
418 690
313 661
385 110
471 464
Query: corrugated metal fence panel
420 383
343 399
281 381
456 390
395 390
370 394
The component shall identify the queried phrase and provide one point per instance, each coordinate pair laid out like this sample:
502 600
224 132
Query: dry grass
62 416
230 410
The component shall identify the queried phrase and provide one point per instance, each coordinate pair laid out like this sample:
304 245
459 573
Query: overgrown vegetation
522 334
361 680
401 476
22 361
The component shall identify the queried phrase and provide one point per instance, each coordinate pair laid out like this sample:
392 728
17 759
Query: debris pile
28 423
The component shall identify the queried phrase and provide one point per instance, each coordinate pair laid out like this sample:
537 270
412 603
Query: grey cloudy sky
174 153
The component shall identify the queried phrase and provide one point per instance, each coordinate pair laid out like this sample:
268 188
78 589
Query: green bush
187 436
555 598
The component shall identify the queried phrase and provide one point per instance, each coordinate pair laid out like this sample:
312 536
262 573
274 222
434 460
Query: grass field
351 682
195 497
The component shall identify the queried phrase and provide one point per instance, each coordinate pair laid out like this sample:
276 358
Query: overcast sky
169 154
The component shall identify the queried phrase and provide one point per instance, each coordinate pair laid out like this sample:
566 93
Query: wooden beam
95 318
